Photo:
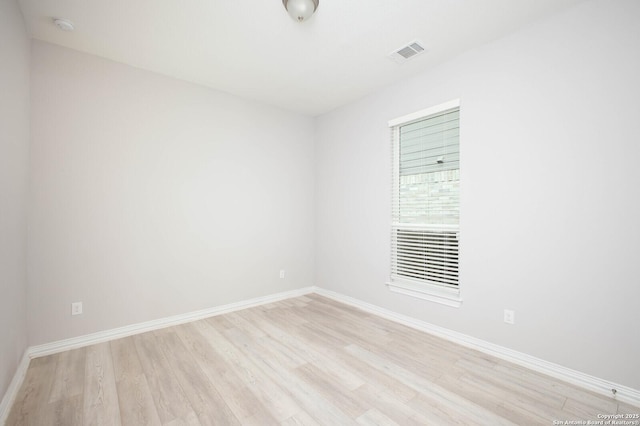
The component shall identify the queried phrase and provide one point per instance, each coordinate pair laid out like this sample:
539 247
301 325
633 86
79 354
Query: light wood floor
303 361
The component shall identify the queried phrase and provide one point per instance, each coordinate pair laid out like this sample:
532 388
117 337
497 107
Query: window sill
444 296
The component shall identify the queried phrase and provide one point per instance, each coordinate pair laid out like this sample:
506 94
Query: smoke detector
408 51
63 24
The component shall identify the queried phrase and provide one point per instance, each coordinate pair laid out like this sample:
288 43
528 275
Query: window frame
442 294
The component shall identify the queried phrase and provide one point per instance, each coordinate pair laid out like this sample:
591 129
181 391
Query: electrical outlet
509 316
76 308
281 273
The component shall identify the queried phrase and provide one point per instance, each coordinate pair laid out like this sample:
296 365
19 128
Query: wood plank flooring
302 361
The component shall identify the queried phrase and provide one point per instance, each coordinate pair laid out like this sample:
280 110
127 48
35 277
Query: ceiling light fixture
300 10
63 24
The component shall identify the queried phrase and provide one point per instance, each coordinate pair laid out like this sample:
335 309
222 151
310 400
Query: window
425 204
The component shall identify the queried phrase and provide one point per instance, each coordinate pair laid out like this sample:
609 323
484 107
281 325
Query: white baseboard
129 330
595 384
14 387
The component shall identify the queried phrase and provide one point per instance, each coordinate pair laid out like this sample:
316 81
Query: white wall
550 205
14 154
154 197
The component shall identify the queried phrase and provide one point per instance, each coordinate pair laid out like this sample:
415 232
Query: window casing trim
443 295
424 113
446 295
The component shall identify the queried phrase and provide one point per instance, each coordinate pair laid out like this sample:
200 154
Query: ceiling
253 49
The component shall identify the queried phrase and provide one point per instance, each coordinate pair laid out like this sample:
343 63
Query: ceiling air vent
407 52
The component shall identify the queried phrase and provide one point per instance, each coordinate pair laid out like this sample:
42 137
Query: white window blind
425 203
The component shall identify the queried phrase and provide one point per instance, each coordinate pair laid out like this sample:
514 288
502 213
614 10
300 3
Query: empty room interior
303 212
